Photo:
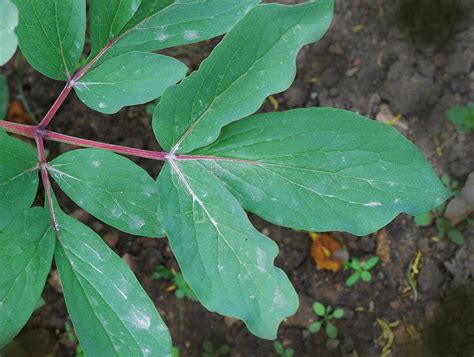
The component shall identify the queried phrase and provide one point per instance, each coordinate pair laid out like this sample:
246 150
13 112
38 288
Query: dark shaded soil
415 56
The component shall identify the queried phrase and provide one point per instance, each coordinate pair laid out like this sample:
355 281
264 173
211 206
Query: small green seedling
462 116
282 351
72 338
175 352
211 351
361 270
443 226
327 315
180 286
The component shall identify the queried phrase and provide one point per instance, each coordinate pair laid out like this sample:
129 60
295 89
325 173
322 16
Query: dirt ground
414 56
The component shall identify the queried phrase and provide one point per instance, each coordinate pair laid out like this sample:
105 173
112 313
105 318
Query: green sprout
211 351
462 116
326 315
443 226
282 351
72 339
180 286
361 270
175 352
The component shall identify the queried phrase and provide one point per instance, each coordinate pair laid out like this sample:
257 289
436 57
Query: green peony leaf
8 38
227 263
51 35
111 313
26 250
322 170
160 24
129 79
110 187
107 18
255 59
18 177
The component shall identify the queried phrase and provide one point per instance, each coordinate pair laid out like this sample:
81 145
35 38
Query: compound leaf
8 38
129 79
166 23
26 248
110 187
255 59
111 313
225 260
323 169
51 34
18 178
107 18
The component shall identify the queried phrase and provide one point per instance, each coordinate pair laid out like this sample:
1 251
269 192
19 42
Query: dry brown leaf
383 246
17 114
322 250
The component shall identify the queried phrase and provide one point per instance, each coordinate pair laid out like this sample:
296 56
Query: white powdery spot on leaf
372 204
136 222
261 260
141 320
117 211
81 86
191 35
162 36
102 105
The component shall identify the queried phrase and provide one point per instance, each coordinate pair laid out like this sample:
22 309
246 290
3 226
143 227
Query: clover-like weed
361 269
326 316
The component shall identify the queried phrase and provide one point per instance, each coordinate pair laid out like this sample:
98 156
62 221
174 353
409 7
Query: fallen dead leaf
17 114
462 205
322 250
383 246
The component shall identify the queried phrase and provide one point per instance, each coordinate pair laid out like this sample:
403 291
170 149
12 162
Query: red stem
68 87
45 180
36 133
57 104
88 66
124 150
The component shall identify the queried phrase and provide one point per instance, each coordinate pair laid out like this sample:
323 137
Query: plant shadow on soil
431 22
449 331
